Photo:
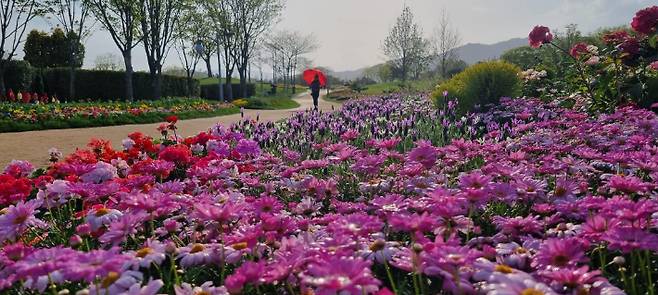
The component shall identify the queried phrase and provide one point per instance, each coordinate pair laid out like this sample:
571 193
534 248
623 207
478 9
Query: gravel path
33 145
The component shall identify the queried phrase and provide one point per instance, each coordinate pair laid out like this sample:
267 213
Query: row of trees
287 50
195 29
411 54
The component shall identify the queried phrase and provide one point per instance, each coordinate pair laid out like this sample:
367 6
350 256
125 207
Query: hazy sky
351 31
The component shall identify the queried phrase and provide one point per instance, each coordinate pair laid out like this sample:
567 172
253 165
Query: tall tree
405 45
446 38
50 51
121 18
250 19
15 15
158 27
188 31
291 46
73 16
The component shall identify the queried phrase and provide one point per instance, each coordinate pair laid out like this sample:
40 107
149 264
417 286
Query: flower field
24 117
385 196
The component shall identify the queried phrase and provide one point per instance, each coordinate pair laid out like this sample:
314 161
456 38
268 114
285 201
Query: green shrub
109 85
18 75
481 84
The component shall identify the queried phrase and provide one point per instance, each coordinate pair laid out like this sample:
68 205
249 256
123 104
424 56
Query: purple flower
560 253
340 275
18 218
627 239
424 153
100 173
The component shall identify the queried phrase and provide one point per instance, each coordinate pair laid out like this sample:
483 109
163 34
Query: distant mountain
475 52
470 53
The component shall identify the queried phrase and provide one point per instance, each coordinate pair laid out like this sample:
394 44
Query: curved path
33 145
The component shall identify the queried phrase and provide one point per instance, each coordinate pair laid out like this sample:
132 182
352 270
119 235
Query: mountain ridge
471 53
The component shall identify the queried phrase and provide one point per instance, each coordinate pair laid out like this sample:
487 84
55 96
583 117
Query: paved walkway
33 145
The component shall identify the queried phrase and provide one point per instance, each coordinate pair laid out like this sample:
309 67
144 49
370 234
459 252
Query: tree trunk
128 62
243 80
3 90
156 83
208 67
71 83
229 87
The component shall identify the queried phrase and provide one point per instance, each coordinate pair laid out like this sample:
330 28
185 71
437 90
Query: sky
350 32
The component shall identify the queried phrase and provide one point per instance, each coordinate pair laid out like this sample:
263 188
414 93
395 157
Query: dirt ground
33 145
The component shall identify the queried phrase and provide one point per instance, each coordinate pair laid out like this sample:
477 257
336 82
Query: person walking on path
315 91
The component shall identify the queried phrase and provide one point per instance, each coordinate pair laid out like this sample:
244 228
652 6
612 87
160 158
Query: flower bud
619 260
75 240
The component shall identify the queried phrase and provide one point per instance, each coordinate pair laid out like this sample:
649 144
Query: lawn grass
345 92
263 100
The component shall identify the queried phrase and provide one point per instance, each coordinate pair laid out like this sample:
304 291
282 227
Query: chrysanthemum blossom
645 20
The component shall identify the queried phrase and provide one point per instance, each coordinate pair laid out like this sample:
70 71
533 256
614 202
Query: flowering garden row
528 198
23 117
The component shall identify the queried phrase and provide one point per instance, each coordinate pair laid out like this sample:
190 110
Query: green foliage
18 75
109 85
54 50
274 103
524 57
211 91
481 84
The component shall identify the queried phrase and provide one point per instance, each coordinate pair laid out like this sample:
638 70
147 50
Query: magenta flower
560 253
248 273
424 153
627 239
205 288
340 275
540 35
645 20
579 49
18 218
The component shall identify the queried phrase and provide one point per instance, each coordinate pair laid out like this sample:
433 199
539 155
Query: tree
186 39
291 47
15 15
107 62
73 16
249 20
445 40
158 23
52 51
224 35
121 18
405 45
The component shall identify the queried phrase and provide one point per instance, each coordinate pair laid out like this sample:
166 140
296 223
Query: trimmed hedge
109 85
481 84
91 84
212 91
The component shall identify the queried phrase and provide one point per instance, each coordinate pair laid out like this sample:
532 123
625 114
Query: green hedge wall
91 84
212 91
109 85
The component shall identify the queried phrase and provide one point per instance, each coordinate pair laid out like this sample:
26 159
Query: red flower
13 189
540 35
615 37
179 154
171 119
645 20
578 49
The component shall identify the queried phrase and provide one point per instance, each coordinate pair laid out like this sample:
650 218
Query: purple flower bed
386 196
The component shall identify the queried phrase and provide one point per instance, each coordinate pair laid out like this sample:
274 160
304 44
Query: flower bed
533 199
24 117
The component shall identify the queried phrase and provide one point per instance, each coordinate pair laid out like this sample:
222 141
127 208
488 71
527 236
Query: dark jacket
315 88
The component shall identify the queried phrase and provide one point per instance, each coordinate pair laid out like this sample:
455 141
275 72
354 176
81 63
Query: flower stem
390 277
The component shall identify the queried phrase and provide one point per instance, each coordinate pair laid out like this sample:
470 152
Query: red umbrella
310 74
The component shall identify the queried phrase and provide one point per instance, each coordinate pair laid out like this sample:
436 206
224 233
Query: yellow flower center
102 211
531 291
520 250
239 246
143 252
377 245
504 268
110 279
197 248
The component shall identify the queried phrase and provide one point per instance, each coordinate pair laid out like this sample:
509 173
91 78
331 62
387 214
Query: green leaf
653 41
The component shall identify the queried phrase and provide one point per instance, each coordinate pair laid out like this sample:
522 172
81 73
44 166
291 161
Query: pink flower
645 20
18 218
627 239
654 65
560 253
579 49
424 153
540 35
340 275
